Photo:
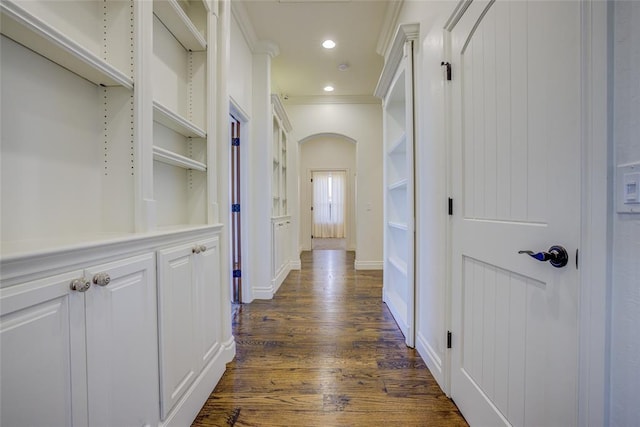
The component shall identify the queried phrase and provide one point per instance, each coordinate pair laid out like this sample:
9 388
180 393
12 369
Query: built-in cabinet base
89 334
281 229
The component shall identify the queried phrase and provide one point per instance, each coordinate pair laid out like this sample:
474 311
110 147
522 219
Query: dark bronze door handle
557 256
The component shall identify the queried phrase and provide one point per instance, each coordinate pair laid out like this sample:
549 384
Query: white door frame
595 248
236 110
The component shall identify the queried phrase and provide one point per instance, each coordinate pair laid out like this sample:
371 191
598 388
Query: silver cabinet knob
80 285
203 248
196 249
101 279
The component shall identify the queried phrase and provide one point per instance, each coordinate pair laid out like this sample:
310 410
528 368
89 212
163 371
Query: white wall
240 86
625 286
240 68
431 183
249 84
363 123
326 152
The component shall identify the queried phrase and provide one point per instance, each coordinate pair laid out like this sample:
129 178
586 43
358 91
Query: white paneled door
516 104
122 367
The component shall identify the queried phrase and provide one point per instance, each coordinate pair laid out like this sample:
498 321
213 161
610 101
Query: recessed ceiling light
328 44
343 67
328 88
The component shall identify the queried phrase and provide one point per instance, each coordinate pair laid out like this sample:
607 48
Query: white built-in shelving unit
180 141
67 119
396 89
280 139
280 216
108 216
91 162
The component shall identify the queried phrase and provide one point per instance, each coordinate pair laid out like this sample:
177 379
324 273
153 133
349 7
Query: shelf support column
145 206
219 205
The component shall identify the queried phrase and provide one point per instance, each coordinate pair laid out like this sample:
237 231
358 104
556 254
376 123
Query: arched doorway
322 154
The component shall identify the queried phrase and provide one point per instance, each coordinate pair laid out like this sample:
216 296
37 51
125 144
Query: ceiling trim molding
332 99
405 33
268 47
390 22
239 12
281 112
241 16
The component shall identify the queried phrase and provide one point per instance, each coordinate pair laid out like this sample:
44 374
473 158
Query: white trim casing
404 33
368 265
595 245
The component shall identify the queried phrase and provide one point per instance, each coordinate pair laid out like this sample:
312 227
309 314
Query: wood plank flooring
325 352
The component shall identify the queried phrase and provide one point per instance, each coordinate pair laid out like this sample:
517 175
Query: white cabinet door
280 234
278 249
189 301
122 356
178 340
42 355
275 249
284 242
72 358
207 273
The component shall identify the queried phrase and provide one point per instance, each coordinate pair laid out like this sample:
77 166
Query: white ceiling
298 27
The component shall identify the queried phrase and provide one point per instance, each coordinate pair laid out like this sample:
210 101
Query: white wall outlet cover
628 188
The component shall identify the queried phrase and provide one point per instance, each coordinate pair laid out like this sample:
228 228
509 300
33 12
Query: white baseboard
277 281
191 403
398 310
368 265
269 291
263 293
296 264
431 358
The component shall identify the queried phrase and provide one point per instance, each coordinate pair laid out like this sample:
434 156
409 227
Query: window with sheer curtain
329 204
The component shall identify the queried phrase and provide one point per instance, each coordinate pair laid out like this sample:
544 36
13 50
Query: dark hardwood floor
325 352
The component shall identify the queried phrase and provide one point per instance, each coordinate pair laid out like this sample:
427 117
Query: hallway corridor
325 352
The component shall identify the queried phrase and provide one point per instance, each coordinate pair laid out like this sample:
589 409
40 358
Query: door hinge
235 207
235 142
577 255
450 206
448 339
237 273
447 71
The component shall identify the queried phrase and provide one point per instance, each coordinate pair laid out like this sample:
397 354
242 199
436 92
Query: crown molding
268 47
241 16
405 33
281 112
390 22
331 99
